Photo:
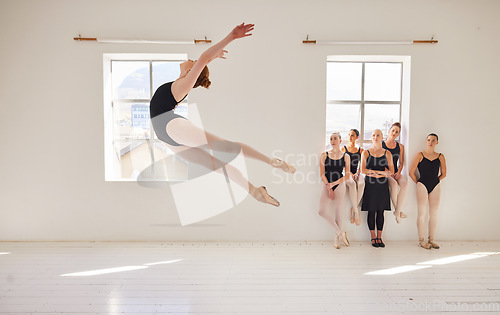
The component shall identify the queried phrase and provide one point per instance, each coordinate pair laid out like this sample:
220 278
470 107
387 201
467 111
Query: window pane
383 81
342 118
130 79
131 120
165 71
380 117
343 81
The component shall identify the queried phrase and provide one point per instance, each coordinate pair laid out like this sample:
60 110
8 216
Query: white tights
398 191
356 189
424 198
335 220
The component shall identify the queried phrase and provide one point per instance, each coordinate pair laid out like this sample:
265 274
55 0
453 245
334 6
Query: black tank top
163 100
429 170
355 158
376 163
334 168
395 154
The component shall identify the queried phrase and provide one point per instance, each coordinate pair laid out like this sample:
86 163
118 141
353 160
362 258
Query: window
129 83
365 93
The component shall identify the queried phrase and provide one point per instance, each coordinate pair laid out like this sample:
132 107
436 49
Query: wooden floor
246 277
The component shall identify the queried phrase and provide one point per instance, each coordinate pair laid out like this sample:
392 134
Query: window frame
363 102
112 156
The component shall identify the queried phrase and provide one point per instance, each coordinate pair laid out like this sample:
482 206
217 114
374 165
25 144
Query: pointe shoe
431 242
336 241
352 215
343 235
262 195
357 217
424 244
284 166
398 216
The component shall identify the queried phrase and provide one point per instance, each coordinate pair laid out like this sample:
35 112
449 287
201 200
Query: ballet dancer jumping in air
432 168
397 181
185 139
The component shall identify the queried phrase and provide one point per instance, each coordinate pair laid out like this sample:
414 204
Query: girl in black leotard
429 164
185 139
356 183
397 181
332 164
377 165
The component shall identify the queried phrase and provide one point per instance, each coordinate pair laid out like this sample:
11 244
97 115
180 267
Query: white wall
271 86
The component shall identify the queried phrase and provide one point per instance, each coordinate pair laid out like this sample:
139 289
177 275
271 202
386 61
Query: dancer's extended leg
192 137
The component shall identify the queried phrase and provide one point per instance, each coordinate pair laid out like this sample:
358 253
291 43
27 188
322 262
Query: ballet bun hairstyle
356 131
338 134
397 124
203 79
434 135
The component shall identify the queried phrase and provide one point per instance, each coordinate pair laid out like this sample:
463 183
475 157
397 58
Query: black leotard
161 109
395 154
355 158
429 171
333 169
376 196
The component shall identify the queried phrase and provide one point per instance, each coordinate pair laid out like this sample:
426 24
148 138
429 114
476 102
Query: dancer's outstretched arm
184 85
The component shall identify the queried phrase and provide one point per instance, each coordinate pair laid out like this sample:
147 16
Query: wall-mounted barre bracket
142 41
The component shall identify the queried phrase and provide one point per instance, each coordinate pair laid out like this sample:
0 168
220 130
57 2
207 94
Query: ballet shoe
343 235
357 217
284 166
398 217
352 215
262 195
336 241
424 244
380 243
431 242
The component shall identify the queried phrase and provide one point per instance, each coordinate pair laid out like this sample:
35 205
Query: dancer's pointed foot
262 195
357 217
284 166
398 216
343 236
336 243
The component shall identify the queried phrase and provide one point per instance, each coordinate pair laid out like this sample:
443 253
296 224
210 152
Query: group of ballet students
377 180
374 178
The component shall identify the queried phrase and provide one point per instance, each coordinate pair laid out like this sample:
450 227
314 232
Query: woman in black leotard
356 183
185 139
429 164
377 165
397 181
332 164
